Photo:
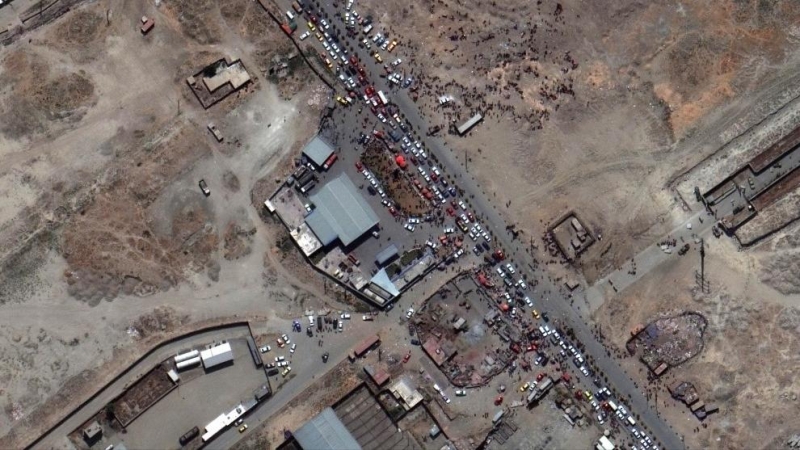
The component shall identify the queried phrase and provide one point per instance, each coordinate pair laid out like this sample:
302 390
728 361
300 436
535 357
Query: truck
383 98
189 435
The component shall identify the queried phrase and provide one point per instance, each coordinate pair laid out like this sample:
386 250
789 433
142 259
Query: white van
631 421
290 15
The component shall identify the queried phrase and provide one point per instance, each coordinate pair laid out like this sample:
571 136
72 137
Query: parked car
265 349
204 188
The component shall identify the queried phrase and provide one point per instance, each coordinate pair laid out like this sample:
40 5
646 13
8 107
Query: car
242 428
540 377
521 283
279 358
595 406
325 24
294 347
409 313
286 338
501 273
510 268
415 342
341 326
345 316
600 419
204 188
461 205
305 36
282 364
238 422
280 342
588 396
270 365
437 388
584 371
409 227
524 387
378 57
407 357
265 349
286 371
445 398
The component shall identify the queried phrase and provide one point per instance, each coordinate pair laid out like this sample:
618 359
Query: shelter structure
341 213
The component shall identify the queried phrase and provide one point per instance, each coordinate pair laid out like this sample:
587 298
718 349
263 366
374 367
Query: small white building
216 355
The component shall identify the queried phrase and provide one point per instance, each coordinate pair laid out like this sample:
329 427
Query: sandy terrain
751 343
106 242
592 106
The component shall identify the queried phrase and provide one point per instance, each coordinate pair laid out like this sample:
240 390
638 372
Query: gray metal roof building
325 432
318 151
340 212
386 255
466 126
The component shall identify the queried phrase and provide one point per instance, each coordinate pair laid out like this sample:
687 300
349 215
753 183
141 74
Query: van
290 15
631 421
612 405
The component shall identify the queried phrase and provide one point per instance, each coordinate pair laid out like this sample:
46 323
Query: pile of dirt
39 98
122 242
161 320
79 29
197 19
238 240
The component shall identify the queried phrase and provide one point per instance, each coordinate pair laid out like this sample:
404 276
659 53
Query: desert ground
595 107
750 350
107 243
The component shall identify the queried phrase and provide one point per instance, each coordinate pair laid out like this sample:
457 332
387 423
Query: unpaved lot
593 106
751 345
106 242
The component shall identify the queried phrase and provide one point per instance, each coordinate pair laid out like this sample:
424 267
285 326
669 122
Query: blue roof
381 279
325 432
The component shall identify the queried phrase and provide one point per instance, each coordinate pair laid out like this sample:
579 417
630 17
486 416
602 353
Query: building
407 395
318 151
604 443
386 255
325 432
92 432
216 355
340 213
466 126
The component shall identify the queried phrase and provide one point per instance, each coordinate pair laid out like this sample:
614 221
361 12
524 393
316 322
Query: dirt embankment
41 97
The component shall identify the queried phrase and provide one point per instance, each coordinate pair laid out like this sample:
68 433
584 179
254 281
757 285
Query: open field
106 242
595 107
750 344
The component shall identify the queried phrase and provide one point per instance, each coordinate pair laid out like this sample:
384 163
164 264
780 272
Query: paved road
551 295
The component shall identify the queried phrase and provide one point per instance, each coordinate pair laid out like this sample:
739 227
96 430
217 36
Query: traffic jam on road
417 163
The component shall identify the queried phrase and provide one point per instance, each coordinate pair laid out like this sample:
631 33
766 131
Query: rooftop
318 151
325 432
341 212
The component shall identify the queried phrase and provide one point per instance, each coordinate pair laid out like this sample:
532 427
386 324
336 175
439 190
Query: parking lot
358 53
197 401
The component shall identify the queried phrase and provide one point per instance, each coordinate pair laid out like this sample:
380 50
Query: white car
397 62
510 268
294 347
345 316
409 227
461 392
265 349
437 388
584 371
410 312
279 358
305 36
283 363
501 273
286 339
311 320
528 302
449 230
